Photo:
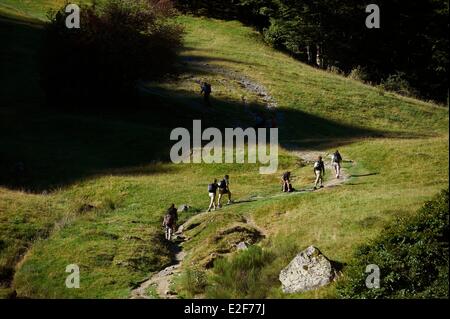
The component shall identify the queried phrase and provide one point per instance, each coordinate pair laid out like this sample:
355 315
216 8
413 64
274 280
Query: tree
118 43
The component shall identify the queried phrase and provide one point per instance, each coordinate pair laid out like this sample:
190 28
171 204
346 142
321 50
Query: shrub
193 281
334 69
359 74
412 255
117 44
398 84
273 35
241 276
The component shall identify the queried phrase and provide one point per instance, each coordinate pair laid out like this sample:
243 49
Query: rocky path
162 280
244 81
309 157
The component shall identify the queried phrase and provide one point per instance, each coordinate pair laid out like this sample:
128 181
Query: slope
107 187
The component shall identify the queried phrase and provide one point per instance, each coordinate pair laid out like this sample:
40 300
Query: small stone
241 246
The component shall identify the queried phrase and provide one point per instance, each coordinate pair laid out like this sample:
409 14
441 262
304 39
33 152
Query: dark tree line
410 47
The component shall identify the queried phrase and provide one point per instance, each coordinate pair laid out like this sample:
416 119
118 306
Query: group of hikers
223 188
171 217
319 172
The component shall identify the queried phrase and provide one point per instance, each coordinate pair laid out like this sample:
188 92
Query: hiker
212 189
224 188
286 183
319 170
336 160
206 91
170 221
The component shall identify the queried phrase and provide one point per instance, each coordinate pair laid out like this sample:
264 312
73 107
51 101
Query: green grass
298 87
35 9
107 181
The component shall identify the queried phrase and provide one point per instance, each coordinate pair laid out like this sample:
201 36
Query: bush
412 255
398 84
359 74
241 276
192 282
117 44
334 69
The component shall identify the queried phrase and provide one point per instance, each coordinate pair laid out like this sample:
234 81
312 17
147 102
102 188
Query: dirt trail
162 280
309 157
244 81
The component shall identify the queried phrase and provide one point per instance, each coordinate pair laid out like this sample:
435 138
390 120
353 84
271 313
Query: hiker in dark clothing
336 160
224 188
212 190
286 183
170 221
206 91
319 170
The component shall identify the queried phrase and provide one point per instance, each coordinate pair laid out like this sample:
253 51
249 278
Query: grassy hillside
34 9
96 185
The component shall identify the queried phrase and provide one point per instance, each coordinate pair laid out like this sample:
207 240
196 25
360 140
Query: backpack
317 165
291 189
223 184
336 158
212 188
207 88
168 220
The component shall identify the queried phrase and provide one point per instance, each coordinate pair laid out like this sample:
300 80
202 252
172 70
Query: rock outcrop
309 270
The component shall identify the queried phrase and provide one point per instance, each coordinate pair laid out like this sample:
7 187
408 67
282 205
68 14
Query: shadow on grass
337 266
43 148
364 175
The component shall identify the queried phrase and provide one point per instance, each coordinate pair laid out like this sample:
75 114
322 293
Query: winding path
161 281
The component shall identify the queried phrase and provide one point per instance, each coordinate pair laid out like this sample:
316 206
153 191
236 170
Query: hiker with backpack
286 182
170 221
336 160
212 190
319 171
206 91
224 188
